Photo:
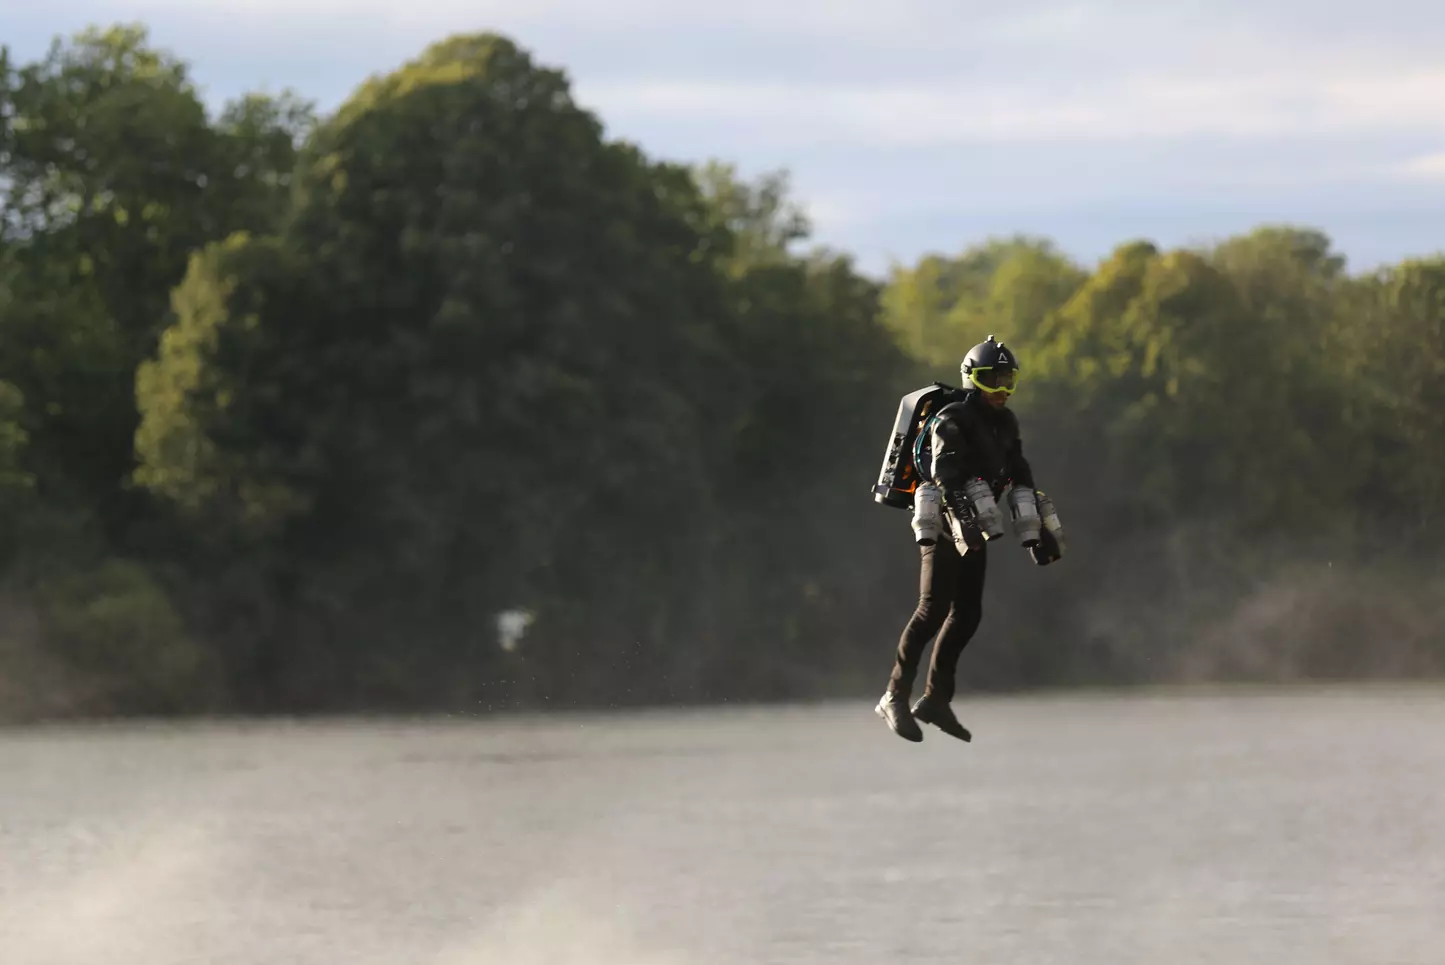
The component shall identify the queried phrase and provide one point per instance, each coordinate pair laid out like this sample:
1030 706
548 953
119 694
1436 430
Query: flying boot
893 708
932 710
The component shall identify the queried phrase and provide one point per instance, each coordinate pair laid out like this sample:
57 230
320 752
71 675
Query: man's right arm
954 469
952 464
959 465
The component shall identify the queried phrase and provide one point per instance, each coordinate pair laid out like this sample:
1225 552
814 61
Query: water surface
1255 827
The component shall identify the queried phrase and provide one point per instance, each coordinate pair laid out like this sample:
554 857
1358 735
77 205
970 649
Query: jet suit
969 439
964 456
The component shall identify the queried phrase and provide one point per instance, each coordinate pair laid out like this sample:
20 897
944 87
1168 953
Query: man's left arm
1048 549
1015 465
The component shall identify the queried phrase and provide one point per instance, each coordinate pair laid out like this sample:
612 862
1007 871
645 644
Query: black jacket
972 439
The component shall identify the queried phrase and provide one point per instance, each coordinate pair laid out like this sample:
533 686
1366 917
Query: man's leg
966 592
935 576
958 630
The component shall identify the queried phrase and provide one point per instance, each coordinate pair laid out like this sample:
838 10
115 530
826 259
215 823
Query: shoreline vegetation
294 407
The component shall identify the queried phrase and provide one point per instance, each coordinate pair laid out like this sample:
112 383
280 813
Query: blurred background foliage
293 407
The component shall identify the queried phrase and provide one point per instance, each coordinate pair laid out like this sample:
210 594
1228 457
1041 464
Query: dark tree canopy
292 408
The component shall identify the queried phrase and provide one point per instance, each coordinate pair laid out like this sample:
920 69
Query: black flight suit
969 439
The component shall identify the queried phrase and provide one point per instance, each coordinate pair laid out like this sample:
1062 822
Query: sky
911 127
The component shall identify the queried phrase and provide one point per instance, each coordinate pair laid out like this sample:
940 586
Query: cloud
1047 37
958 112
835 212
1026 63
862 17
1428 167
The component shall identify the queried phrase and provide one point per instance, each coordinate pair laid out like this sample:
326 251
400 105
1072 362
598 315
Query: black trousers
950 604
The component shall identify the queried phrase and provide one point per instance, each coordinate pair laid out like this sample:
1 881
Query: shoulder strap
918 444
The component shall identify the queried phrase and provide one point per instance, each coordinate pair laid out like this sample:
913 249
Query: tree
452 351
457 378
1390 372
757 222
112 175
943 306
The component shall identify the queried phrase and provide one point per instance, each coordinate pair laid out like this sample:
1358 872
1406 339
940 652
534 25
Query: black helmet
991 367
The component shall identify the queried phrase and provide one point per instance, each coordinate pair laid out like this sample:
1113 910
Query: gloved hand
1046 550
1050 547
966 537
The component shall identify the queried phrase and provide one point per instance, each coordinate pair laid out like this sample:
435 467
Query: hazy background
597 321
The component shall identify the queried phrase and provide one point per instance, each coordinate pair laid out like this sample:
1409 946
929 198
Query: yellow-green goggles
989 380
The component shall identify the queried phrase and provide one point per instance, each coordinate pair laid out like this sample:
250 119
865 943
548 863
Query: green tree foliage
127 648
756 224
112 175
494 360
1006 284
1222 426
16 485
1391 348
292 408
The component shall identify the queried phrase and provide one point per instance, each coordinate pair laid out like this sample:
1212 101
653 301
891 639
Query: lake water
1227 827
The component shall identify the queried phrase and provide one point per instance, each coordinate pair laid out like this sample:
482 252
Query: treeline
1248 440
293 407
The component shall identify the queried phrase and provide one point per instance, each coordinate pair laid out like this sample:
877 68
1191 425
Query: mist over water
1233 826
